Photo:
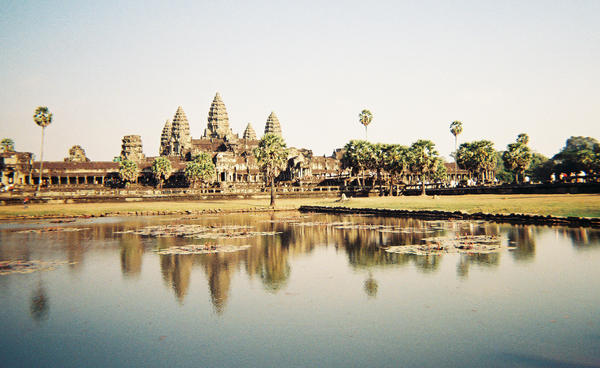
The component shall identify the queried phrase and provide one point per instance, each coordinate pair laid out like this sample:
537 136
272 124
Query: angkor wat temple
233 157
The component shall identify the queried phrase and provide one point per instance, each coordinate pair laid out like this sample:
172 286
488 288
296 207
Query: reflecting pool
298 290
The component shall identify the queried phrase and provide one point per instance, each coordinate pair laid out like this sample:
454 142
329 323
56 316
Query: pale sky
111 68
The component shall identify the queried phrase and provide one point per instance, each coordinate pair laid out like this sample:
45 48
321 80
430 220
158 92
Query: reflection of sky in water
314 295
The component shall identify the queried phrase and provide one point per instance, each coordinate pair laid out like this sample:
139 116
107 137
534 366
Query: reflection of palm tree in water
371 286
523 237
40 304
482 259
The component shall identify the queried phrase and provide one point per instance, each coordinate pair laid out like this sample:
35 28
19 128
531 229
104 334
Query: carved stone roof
249 133
273 125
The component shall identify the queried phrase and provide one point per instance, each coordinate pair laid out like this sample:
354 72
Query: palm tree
271 155
358 156
518 156
365 117
161 168
455 129
7 145
396 162
425 160
43 118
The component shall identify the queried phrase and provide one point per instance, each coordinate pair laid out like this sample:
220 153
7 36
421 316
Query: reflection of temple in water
176 270
131 256
269 258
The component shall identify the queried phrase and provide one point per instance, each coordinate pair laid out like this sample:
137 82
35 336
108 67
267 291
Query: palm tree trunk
272 191
41 162
455 151
379 182
423 187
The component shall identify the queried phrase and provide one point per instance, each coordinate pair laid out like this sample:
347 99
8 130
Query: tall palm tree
272 155
455 129
365 117
7 145
43 118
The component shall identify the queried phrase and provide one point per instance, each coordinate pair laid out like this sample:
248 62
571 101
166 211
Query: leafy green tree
43 118
200 169
271 155
425 160
579 154
365 117
501 173
456 129
128 171
161 169
465 158
439 173
8 145
396 162
518 156
540 168
358 156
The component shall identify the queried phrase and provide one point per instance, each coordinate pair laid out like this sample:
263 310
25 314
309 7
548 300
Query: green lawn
581 205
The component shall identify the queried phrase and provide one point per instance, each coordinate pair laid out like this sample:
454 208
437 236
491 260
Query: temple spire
218 120
273 125
165 139
249 133
181 140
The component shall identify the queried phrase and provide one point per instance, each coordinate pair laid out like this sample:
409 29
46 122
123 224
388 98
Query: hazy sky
112 68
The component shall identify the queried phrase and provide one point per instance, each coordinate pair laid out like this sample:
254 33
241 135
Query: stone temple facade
233 157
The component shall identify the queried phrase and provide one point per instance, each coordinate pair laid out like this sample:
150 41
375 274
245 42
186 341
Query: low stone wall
513 218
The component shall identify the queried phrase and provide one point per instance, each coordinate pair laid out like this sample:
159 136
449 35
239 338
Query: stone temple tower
175 139
165 139
181 140
131 148
273 125
249 133
218 121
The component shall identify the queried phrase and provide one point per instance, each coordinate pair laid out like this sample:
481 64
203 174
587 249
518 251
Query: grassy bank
580 205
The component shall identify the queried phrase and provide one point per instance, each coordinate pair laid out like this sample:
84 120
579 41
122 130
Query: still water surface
312 295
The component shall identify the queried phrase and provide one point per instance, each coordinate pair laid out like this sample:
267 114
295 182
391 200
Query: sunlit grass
580 205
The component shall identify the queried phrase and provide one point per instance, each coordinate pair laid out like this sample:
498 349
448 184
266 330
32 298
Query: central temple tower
218 121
